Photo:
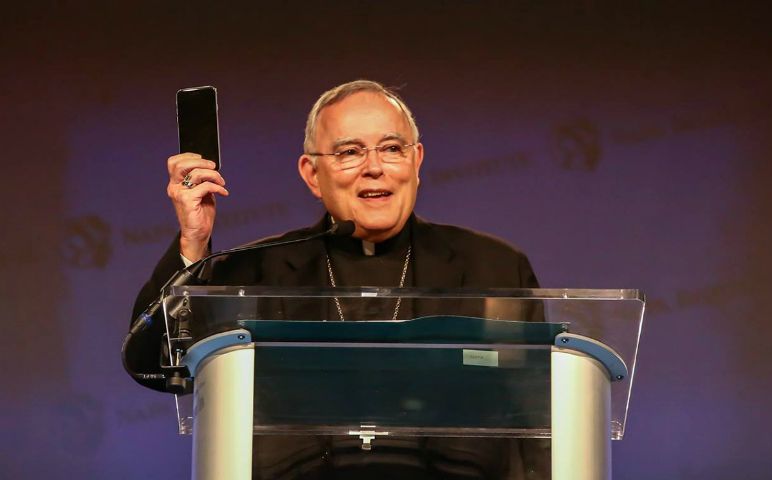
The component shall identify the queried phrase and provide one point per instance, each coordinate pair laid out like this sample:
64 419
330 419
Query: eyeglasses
352 156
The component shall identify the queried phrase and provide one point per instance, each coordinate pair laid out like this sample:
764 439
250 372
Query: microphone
191 275
343 229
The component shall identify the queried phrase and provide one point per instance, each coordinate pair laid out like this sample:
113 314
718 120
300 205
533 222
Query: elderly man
362 158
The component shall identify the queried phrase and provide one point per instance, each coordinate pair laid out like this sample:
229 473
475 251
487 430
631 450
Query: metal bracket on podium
603 353
367 433
203 348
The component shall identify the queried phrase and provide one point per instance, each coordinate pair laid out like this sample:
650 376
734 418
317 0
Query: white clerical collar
368 248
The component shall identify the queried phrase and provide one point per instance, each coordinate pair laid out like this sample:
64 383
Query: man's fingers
186 168
201 175
183 195
203 189
180 165
173 161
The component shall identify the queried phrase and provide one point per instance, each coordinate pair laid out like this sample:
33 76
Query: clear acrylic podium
548 363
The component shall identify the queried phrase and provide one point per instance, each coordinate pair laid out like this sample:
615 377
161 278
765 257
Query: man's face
377 196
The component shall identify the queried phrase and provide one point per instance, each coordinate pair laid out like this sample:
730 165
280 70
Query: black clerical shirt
354 263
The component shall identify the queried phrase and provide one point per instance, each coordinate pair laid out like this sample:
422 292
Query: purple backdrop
619 147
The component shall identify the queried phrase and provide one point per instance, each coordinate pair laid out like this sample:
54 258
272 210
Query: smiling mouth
374 194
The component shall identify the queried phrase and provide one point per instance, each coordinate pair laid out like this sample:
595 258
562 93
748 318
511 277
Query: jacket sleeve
144 352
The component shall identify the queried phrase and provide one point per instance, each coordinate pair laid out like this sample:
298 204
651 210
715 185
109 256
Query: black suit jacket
444 257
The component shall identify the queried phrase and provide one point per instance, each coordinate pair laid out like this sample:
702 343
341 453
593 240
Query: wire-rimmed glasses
352 156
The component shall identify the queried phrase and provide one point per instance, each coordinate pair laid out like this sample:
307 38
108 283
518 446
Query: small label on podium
481 358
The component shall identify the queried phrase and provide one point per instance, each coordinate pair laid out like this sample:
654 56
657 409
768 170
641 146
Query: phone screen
197 122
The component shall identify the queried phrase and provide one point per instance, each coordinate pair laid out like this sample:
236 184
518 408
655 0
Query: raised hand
193 183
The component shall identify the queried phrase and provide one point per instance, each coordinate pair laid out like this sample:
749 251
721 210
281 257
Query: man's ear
307 170
419 158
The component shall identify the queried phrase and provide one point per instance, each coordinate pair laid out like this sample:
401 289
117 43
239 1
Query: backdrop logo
165 232
479 168
693 121
576 145
87 242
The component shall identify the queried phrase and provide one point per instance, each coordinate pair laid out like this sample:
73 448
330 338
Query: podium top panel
412 292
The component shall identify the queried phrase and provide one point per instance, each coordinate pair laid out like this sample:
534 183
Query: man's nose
373 165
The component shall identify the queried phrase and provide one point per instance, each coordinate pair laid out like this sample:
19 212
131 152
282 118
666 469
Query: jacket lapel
303 265
436 263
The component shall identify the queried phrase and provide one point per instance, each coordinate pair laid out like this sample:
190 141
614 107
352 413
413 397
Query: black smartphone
197 122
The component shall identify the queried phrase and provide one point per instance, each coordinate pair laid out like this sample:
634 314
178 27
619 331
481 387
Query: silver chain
401 284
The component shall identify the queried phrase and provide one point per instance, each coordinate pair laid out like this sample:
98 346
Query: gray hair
340 92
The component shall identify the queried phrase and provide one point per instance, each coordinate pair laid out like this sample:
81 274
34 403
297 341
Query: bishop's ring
187 183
